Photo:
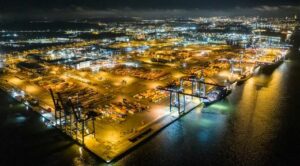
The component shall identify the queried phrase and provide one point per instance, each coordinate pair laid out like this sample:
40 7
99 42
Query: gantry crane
71 119
175 92
198 84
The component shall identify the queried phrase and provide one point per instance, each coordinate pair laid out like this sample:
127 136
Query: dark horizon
34 9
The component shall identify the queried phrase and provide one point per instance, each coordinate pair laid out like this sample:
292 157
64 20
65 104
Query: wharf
110 152
141 134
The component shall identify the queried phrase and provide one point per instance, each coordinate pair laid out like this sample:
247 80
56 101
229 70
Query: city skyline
33 9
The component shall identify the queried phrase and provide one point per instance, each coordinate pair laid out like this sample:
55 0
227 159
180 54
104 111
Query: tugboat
216 95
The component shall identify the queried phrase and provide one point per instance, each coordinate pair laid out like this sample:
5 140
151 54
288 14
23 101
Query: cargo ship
268 68
219 93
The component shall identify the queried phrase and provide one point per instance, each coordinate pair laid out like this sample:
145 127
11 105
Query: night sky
50 8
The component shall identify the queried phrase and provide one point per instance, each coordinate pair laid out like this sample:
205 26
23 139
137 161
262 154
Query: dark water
26 140
259 124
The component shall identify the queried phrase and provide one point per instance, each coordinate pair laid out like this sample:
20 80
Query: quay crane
176 92
70 118
199 89
198 84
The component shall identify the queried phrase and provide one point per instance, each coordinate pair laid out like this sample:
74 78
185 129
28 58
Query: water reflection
211 127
